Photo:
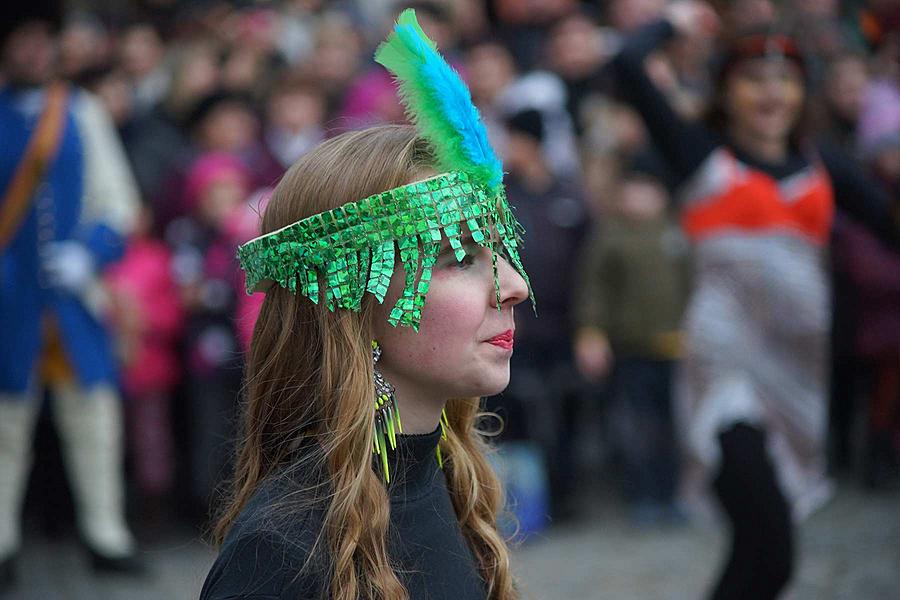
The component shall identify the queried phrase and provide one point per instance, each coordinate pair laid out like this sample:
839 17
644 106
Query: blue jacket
59 211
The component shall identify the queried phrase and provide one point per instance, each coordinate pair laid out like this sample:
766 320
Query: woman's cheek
440 321
796 95
451 309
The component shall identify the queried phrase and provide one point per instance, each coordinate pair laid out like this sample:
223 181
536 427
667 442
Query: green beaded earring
387 416
387 419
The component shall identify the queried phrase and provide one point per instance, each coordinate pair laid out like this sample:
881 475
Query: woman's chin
495 385
773 128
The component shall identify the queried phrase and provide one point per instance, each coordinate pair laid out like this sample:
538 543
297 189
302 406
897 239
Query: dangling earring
445 425
387 415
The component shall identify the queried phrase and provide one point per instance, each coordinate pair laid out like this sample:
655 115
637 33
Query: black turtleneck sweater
264 554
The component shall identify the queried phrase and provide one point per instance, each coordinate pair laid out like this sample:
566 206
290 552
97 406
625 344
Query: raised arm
684 145
859 196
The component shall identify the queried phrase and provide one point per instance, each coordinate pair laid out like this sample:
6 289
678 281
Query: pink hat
211 168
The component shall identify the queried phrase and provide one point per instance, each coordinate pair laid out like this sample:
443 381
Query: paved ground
849 551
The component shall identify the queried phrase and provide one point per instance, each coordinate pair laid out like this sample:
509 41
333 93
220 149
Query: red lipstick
504 340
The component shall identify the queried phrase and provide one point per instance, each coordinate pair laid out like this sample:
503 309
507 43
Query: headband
762 45
342 253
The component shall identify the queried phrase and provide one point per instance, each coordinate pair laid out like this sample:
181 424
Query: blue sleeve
104 244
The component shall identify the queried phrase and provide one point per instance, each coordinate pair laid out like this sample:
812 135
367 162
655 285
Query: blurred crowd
213 101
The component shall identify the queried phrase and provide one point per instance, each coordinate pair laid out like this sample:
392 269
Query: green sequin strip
338 255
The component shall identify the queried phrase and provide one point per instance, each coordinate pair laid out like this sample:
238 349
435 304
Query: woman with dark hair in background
757 201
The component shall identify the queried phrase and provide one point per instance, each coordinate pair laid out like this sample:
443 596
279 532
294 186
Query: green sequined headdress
350 250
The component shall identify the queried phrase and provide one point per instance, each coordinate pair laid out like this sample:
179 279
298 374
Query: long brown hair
309 379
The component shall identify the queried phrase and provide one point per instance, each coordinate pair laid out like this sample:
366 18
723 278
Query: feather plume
437 102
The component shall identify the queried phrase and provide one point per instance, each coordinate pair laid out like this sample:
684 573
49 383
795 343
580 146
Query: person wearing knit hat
68 203
757 201
212 170
217 186
529 122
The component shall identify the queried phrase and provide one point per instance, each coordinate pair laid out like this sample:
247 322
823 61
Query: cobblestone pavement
850 550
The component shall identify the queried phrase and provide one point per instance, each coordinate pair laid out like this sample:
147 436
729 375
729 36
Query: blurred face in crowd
641 198
824 37
241 70
29 54
438 29
742 15
337 53
816 8
115 92
294 110
230 127
141 50
195 75
82 45
576 47
257 31
627 128
601 174
532 11
489 69
221 198
847 80
764 98
470 18
628 15
520 151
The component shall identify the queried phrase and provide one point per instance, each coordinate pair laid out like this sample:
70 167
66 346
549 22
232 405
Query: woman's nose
513 288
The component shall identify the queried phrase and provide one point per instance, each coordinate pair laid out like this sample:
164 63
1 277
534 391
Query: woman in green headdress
391 270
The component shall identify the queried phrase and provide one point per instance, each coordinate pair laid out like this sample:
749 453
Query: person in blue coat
67 202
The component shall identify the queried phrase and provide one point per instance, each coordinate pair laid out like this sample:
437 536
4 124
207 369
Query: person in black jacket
310 515
335 496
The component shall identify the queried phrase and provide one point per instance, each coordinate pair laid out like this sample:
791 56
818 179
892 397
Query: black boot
880 472
8 574
129 564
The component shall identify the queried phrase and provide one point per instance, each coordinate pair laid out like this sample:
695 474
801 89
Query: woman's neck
767 150
417 413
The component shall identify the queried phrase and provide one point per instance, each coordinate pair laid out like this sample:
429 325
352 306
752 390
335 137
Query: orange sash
39 153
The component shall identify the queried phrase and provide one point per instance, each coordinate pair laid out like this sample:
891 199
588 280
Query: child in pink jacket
149 319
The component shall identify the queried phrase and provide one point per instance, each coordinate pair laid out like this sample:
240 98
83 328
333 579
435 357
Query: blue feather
447 109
